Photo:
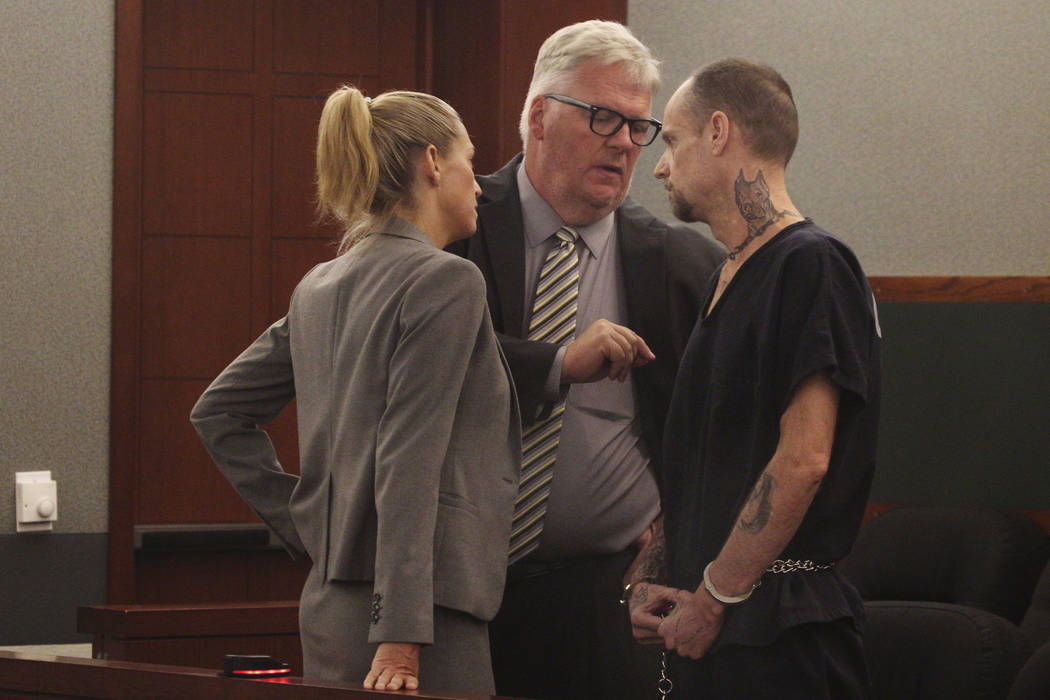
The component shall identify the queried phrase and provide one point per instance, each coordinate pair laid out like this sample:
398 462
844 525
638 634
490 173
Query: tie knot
567 235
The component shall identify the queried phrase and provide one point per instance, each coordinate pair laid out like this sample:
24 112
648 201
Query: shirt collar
540 221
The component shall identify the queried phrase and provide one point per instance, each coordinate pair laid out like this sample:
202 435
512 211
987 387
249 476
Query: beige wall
924 125
56 146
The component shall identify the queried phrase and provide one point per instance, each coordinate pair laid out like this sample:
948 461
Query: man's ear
719 132
536 111
429 165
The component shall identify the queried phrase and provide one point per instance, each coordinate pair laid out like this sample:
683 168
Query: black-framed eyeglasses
606 122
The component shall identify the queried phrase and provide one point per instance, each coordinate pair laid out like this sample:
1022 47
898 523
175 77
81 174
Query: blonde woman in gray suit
408 424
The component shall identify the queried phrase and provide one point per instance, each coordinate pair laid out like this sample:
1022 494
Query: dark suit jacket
665 271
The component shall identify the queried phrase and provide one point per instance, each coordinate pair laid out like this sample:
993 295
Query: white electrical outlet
36 501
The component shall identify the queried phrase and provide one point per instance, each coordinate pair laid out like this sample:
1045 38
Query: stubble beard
682 209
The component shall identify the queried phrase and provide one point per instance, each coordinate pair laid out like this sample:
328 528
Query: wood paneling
230 576
295 124
206 652
199 34
961 289
177 482
196 305
526 23
483 62
217 110
467 74
198 164
323 37
198 620
126 320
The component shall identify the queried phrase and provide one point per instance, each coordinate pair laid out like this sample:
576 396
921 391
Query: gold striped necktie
553 320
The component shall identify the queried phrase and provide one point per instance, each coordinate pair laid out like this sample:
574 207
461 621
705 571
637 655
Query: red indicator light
263 672
254 666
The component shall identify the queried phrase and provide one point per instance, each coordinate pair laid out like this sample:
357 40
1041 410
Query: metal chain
786 566
664 686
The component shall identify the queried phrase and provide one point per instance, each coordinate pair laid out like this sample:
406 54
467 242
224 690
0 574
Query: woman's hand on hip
394 667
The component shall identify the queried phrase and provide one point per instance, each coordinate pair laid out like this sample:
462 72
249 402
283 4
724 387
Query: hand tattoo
639 597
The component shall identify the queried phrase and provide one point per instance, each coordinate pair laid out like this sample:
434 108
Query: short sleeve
827 320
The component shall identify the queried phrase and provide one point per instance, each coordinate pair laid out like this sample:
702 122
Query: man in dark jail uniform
769 447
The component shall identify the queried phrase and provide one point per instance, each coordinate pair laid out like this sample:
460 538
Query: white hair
567 49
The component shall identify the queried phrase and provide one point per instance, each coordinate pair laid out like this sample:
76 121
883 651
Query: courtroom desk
42 677
197 635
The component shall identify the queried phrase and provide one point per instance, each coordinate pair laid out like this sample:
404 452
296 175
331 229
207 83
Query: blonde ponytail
366 154
347 167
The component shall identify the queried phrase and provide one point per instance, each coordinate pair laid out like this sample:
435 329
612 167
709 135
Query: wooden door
216 112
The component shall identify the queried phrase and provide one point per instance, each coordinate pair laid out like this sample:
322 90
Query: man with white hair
584 285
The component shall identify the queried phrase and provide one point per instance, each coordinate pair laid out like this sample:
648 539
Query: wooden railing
52 677
193 635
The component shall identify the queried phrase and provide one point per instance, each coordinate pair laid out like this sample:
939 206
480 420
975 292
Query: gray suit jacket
408 430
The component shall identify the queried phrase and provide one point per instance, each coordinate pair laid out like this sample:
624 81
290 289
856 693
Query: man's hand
648 603
395 666
693 625
604 350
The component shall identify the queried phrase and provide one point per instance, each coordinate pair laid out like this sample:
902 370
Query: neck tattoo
752 199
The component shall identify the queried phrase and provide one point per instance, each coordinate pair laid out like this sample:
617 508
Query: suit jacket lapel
643 267
641 253
499 213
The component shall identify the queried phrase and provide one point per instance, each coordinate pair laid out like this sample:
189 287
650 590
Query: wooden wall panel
483 62
319 36
199 34
404 43
294 146
177 481
196 304
465 75
176 577
217 110
126 319
197 162
526 24
218 577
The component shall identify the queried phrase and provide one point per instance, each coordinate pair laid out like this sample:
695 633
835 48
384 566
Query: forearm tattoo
654 562
759 506
752 199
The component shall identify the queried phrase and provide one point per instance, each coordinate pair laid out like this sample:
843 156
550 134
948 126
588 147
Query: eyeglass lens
606 122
